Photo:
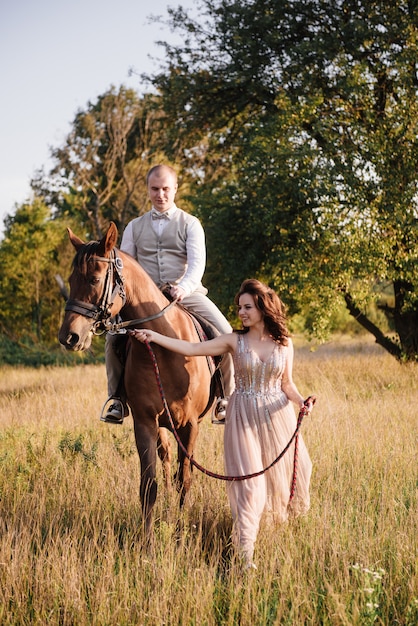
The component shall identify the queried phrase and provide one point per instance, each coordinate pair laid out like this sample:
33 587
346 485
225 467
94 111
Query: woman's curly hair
268 302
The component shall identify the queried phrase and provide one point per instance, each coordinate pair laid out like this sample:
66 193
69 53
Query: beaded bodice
256 377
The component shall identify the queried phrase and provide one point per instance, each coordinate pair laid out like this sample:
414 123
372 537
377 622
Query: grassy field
71 550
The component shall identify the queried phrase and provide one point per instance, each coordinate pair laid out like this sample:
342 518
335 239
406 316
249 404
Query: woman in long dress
260 416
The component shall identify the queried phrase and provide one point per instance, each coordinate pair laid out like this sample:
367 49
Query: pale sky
55 57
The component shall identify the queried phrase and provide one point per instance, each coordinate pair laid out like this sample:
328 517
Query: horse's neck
142 294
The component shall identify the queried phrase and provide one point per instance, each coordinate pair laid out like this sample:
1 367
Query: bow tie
159 216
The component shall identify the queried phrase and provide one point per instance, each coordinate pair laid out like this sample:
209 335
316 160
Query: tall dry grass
71 548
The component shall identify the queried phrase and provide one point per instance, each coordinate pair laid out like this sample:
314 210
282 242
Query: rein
303 411
119 326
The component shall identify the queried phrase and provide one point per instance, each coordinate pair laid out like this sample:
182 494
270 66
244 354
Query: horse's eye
94 281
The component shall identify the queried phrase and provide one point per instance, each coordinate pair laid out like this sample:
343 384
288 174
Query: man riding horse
170 245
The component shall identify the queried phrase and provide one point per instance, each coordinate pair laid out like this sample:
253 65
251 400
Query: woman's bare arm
213 347
288 385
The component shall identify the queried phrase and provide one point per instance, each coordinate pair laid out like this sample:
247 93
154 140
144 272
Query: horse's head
96 289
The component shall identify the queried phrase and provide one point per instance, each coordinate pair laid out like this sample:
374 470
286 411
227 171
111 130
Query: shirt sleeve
196 257
127 244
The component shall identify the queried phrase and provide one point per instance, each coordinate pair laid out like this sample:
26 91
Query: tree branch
362 319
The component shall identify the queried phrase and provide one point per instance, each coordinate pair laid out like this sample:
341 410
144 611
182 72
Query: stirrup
106 416
219 411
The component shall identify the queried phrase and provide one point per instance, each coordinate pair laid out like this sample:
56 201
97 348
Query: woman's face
247 311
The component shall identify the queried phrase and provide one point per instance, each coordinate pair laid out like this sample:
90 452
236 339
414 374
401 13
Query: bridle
114 286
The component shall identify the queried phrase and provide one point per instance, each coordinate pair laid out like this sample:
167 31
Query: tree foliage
99 173
98 176
294 126
300 119
30 303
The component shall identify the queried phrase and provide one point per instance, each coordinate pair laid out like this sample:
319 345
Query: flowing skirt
257 429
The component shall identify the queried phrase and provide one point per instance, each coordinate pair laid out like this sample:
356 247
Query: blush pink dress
260 421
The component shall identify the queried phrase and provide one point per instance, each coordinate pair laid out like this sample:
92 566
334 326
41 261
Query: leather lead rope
303 411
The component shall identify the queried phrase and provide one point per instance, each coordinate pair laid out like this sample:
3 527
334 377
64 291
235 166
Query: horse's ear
111 236
76 241
108 242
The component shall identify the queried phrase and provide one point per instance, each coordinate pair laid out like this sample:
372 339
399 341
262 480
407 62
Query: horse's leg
165 454
188 438
146 444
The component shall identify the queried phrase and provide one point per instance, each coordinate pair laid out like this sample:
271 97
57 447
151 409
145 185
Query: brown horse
105 282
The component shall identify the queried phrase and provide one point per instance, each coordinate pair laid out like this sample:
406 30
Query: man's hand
177 293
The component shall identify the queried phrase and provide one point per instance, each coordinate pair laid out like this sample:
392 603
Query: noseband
114 285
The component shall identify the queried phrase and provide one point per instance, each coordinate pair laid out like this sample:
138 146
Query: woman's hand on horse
142 334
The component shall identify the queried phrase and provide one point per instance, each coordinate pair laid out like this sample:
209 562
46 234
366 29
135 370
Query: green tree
30 303
301 118
99 173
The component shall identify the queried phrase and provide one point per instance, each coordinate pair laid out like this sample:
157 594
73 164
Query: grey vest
164 258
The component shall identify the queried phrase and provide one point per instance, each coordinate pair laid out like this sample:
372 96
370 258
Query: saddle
205 331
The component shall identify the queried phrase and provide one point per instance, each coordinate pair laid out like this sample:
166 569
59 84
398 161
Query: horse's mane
83 256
